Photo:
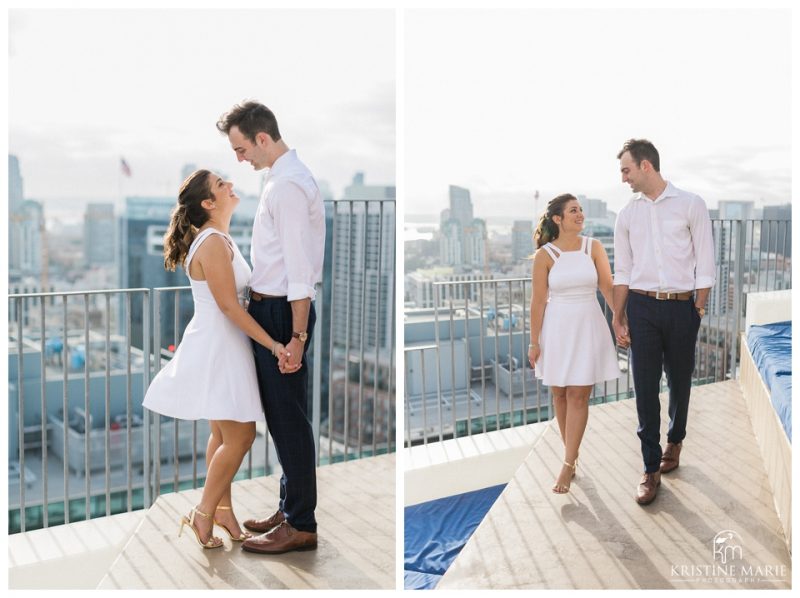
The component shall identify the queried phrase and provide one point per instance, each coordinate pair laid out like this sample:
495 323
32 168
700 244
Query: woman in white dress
571 346
212 374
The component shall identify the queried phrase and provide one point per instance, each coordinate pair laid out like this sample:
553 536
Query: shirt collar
283 162
669 191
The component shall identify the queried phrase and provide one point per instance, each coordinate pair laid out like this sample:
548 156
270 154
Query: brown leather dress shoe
262 526
283 538
648 488
671 457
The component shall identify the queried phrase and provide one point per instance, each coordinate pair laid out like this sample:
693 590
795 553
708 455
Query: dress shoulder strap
199 241
587 246
552 251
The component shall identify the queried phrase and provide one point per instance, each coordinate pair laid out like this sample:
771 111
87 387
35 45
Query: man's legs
284 397
680 339
647 355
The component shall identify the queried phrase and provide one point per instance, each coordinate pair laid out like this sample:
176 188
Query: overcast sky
505 102
88 86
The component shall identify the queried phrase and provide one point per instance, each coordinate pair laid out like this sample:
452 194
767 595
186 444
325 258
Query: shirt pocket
675 234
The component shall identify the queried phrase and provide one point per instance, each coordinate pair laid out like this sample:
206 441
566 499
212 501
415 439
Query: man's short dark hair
251 118
641 149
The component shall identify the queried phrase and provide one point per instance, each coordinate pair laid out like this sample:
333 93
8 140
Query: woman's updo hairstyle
186 218
547 230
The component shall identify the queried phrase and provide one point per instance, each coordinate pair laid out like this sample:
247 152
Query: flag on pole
126 170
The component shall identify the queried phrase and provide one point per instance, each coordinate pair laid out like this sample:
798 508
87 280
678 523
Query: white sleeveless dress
212 374
576 342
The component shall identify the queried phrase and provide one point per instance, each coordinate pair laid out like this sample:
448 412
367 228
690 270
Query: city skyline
155 104
551 104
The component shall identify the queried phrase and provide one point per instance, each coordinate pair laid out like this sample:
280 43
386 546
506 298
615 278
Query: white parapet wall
451 467
73 556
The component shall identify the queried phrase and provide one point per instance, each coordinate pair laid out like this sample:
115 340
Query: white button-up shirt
664 245
288 232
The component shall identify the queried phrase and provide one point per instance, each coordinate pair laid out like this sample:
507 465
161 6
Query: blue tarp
436 531
771 346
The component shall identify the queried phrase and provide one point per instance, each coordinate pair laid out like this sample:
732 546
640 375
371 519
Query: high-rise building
26 231
521 240
99 234
420 290
776 230
463 238
363 265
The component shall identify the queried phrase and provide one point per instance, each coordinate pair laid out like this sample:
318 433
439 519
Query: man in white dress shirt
663 272
287 253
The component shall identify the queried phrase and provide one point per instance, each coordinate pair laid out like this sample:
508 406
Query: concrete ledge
48 558
776 451
463 464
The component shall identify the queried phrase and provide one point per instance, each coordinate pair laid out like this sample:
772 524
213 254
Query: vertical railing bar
157 368
468 356
453 361
21 409
107 404
147 498
362 329
376 371
483 369
496 359
425 398
316 352
407 402
510 354
525 336
330 333
65 381
728 318
347 331
758 261
43 390
176 461
390 408
128 399
87 413
786 246
437 298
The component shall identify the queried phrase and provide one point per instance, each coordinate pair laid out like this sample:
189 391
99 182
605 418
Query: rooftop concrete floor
356 527
598 537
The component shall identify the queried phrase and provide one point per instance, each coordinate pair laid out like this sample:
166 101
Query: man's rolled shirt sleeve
292 223
623 256
703 241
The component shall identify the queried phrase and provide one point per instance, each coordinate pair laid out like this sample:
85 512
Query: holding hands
289 356
621 332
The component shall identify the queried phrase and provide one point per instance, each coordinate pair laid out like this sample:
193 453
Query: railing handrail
77 293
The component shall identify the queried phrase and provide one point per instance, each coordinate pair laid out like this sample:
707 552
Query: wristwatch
301 336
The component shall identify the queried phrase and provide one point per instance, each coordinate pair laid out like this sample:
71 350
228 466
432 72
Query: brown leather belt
259 296
662 296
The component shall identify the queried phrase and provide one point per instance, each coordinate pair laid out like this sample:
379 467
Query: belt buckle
660 298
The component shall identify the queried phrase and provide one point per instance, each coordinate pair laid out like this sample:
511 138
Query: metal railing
470 374
88 367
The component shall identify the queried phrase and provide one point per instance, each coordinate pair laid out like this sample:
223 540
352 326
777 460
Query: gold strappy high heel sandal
242 537
560 488
212 541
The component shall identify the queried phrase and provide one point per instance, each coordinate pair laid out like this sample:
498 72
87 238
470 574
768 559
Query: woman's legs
559 394
577 414
227 446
